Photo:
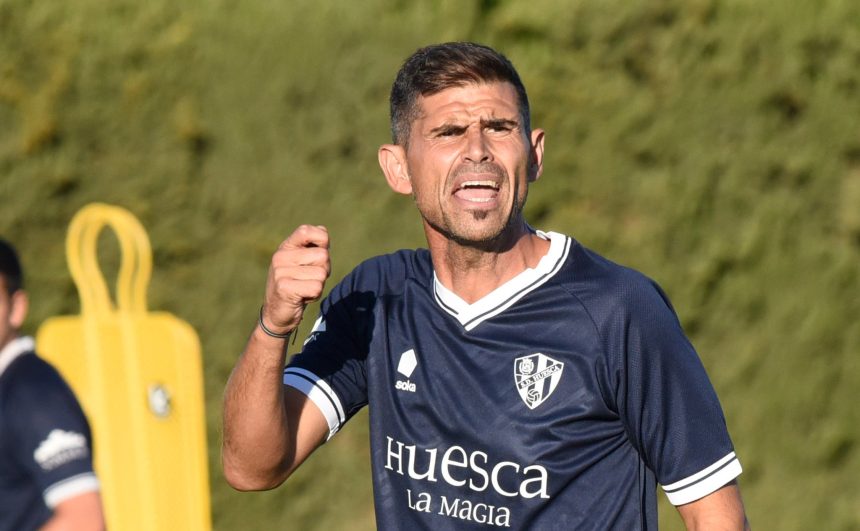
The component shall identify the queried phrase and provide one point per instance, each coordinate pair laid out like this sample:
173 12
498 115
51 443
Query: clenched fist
297 276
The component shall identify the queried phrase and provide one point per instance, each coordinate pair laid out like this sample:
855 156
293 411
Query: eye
450 131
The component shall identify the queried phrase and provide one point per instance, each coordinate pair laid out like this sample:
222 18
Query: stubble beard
456 231
492 240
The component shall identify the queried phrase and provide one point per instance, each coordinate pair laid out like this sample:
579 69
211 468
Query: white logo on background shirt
536 376
59 448
406 367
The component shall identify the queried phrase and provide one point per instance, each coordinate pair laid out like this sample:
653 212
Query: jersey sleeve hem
320 393
704 482
69 488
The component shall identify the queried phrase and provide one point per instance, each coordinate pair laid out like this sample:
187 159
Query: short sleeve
52 436
664 397
330 370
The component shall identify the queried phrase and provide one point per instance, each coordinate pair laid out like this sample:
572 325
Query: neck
474 270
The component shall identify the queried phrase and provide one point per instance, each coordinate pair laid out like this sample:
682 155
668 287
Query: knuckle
320 254
283 286
280 256
319 274
312 288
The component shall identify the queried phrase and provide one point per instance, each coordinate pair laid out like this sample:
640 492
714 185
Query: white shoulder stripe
14 349
69 488
320 393
705 481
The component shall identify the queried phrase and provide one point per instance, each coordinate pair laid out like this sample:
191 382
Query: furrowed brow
448 128
500 123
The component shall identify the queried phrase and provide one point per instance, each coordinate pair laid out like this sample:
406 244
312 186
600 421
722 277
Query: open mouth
477 191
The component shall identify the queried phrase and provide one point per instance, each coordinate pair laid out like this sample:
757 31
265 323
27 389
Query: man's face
469 162
13 308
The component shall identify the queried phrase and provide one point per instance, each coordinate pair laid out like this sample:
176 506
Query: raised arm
270 429
722 510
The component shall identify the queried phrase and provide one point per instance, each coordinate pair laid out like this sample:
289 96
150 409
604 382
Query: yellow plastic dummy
138 376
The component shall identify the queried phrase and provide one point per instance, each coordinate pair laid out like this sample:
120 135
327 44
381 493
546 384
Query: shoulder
609 290
29 385
379 277
30 374
388 273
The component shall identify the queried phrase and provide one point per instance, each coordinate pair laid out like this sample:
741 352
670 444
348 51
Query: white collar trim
15 348
503 297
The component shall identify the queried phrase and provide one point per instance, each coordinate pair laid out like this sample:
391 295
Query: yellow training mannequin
138 376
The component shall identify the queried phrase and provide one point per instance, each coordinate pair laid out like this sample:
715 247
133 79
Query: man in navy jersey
515 379
46 471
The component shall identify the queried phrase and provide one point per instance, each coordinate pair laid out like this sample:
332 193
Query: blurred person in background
46 468
514 377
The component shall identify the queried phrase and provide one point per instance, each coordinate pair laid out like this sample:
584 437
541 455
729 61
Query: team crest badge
536 376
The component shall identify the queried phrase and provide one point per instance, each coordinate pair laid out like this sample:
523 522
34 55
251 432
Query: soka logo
406 366
536 377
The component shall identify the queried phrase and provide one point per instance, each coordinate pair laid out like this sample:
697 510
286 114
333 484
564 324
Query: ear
536 155
392 160
20 303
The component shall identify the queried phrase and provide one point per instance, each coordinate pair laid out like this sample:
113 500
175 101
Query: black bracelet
269 332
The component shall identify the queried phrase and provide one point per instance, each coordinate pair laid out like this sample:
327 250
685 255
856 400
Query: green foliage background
712 144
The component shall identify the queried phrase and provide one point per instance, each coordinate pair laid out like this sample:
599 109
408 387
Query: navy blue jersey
45 444
558 401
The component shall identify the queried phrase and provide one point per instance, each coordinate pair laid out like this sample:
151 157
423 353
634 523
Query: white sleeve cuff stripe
315 389
322 384
706 484
69 488
689 480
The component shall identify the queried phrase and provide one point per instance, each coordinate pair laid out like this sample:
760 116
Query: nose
477 149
